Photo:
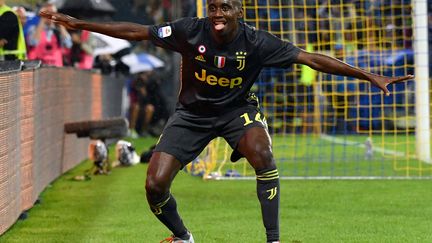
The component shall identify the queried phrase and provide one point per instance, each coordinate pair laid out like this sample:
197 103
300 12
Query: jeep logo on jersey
219 61
241 59
221 81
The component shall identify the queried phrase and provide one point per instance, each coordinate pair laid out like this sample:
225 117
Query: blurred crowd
355 24
147 71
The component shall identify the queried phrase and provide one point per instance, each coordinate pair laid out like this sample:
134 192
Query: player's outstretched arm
123 30
332 65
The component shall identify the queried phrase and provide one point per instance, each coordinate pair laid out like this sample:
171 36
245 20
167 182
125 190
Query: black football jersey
219 77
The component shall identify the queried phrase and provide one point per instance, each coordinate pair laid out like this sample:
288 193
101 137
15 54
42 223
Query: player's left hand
382 81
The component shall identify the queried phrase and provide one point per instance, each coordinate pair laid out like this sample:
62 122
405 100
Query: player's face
224 15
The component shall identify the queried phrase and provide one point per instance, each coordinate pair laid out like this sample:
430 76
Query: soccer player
221 59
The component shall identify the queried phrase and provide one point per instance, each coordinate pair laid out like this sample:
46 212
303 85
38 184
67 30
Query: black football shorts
186 134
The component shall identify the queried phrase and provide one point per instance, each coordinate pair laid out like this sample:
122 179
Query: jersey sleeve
171 35
275 52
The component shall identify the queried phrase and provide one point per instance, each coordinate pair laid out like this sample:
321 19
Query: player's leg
245 130
255 145
184 137
161 171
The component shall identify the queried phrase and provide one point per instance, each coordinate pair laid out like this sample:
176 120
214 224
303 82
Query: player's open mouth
219 25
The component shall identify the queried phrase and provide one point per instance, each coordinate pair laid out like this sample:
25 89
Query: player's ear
240 13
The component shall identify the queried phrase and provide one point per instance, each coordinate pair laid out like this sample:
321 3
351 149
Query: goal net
327 126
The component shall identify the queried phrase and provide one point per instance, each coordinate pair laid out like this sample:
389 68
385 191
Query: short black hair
237 3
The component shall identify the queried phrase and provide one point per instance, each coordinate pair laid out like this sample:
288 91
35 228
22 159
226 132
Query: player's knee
267 158
155 185
263 152
261 157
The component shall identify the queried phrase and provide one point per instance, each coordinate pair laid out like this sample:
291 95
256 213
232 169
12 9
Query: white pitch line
347 142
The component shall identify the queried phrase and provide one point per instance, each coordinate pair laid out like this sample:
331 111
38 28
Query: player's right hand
61 19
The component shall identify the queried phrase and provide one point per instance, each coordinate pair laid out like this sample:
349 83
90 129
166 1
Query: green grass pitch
114 209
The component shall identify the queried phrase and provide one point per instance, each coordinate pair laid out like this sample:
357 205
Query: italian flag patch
219 61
